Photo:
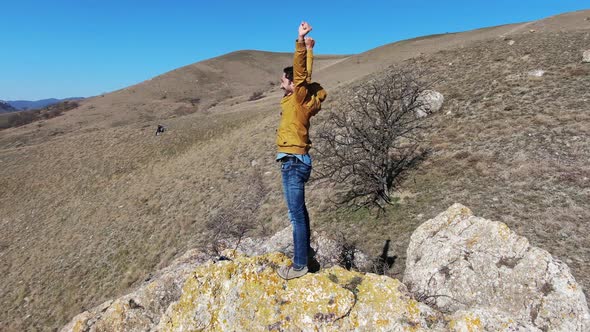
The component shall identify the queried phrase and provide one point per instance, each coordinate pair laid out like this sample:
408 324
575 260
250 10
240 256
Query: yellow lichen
247 293
412 309
472 241
455 211
80 324
503 231
468 322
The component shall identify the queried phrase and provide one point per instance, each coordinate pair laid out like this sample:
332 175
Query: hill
37 104
93 195
6 107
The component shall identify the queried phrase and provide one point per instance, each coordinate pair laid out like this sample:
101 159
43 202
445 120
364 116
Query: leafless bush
348 249
185 110
237 217
371 139
256 95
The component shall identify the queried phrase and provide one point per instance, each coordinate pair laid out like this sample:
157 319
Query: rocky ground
463 273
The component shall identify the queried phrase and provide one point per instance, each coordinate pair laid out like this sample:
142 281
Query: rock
329 252
246 294
586 56
431 102
486 320
536 73
511 42
480 271
140 310
463 273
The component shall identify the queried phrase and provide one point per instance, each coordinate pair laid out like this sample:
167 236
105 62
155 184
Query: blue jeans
295 175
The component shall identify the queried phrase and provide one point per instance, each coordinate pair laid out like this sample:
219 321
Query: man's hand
304 29
309 43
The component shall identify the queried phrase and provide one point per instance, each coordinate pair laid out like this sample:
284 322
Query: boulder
463 273
477 268
329 251
246 294
586 56
141 309
536 73
430 101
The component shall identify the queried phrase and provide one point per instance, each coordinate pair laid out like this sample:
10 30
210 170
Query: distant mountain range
21 105
6 107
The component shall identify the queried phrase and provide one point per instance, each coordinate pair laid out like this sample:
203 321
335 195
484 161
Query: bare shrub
236 218
17 119
578 71
348 249
185 110
371 139
256 95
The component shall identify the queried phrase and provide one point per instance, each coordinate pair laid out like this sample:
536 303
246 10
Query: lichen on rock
247 294
463 273
459 262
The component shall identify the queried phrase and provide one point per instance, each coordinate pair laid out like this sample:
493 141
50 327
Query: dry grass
97 223
92 201
512 148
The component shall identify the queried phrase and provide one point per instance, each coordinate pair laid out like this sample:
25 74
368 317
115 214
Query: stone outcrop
246 294
463 273
431 102
479 268
329 251
141 310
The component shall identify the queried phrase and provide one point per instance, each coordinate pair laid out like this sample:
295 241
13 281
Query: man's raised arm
300 63
309 44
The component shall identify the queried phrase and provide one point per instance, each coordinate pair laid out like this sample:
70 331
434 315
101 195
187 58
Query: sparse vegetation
256 95
234 220
185 110
22 118
368 145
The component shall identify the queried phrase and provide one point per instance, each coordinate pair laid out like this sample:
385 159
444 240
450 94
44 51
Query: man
301 101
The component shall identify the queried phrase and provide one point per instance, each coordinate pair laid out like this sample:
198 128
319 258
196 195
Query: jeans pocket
286 165
303 171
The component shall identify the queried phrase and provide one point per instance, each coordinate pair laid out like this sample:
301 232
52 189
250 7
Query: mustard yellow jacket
300 106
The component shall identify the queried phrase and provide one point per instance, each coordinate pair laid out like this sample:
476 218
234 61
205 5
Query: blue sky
64 48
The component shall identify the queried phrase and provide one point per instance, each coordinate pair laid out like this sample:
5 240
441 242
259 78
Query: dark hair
289 73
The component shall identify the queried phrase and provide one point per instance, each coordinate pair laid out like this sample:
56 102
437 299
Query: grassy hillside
511 146
93 201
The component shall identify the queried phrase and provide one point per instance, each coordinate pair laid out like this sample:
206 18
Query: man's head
287 81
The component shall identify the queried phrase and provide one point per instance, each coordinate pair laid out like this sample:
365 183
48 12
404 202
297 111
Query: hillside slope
207 86
94 195
37 104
